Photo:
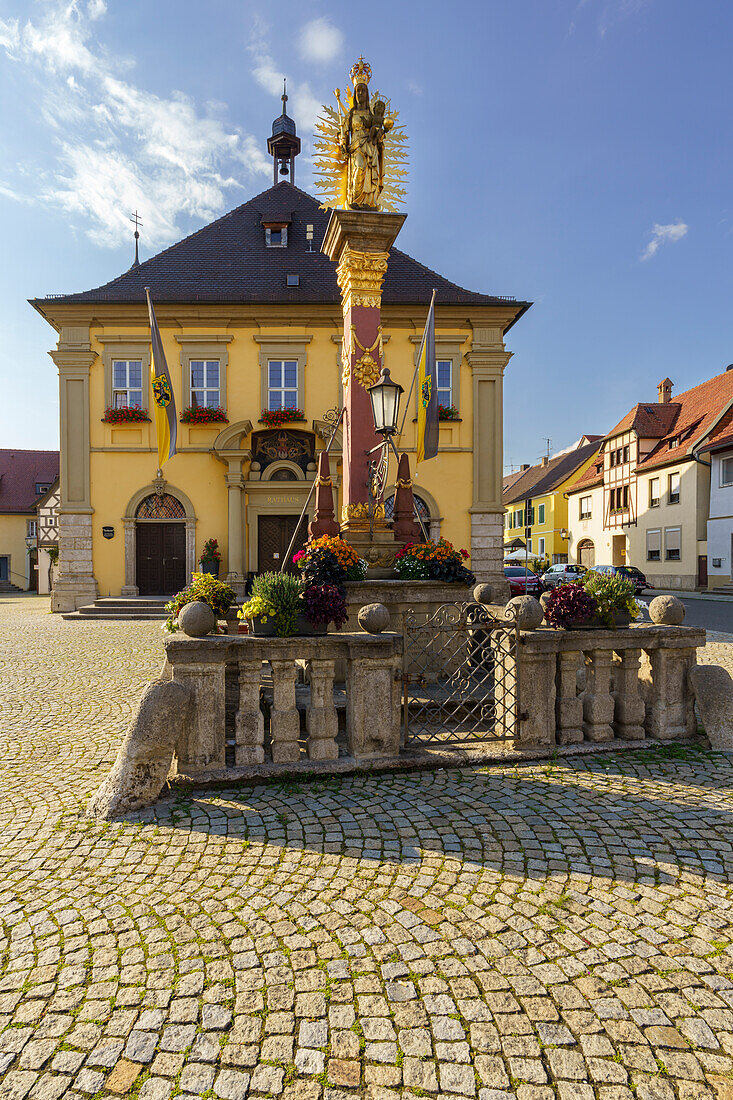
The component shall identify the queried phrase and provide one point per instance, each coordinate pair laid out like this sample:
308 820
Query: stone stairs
8 589
121 608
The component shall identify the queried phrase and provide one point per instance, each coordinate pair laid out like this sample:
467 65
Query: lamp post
385 398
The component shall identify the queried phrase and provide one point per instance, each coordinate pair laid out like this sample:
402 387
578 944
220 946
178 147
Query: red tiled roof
722 435
20 472
698 410
648 421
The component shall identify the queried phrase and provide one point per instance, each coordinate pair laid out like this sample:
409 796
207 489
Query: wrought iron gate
460 676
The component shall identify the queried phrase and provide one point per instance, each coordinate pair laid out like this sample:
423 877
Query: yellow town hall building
250 316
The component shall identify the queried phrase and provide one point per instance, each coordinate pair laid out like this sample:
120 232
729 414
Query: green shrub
285 593
204 588
611 593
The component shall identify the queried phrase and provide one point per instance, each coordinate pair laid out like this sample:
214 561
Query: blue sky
577 154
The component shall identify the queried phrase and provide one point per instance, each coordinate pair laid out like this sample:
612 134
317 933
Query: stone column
321 718
536 695
568 704
630 710
284 717
250 724
75 584
358 242
487 360
670 704
373 706
130 587
235 549
598 705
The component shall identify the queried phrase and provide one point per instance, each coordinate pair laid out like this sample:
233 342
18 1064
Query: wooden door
4 571
161 558
273 538
702 571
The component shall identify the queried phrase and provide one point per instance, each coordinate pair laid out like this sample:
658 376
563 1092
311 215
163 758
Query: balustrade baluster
630 710
598 702
321 718
250 724
284 717
568 704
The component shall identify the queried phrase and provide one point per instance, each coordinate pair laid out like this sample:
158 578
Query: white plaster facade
720 522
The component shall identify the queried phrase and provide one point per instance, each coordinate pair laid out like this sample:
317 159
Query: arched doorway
160 540
160 545
586 553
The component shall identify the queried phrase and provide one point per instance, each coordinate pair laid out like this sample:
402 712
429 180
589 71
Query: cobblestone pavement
560 931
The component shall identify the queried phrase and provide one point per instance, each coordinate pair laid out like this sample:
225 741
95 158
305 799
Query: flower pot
620 619
210 566
303 626
264 628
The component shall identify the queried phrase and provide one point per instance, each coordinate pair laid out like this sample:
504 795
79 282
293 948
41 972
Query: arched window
283 474
158 506
422 508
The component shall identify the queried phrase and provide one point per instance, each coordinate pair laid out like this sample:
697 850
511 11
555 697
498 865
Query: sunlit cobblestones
560 931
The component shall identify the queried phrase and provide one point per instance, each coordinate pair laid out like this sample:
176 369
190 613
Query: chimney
544 460
524 466
664 391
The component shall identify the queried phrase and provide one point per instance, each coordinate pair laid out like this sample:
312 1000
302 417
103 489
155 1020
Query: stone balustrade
372 713
599 685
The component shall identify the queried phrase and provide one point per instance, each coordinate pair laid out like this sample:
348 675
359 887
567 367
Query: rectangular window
653 545
626 496
674 488
612 458
32 527
541 547
726 471
127 383
282 384
444 370
276 238
654 492
672 543
541 513
205 391
626 453
586 507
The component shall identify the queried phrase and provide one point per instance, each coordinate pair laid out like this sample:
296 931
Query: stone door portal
273 538
161 558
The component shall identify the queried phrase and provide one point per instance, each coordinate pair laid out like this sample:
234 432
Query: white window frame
118 349
540 514
654 501
447 348
282 348
541 547
723 462
32 528
668 551
124 392
206 389
442 389
669 488
649 551
198 348
589 513
283 390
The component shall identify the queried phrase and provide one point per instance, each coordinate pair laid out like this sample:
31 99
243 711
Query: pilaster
75 584
487 360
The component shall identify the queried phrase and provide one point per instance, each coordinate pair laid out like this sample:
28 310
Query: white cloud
320 41
663 234
302 105
120 147
414 87
609 12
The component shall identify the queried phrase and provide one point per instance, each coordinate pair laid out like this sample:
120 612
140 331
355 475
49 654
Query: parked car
630 572
562 573
522 582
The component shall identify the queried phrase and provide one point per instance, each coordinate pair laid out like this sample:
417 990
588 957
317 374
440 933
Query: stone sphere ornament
196 619
527 611
667 611
374 618
483 593
544 600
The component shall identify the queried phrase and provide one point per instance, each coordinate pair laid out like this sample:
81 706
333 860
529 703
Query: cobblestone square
555 931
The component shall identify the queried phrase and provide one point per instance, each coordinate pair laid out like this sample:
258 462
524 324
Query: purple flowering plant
324 604
569 604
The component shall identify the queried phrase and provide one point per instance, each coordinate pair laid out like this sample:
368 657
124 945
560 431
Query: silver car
561 574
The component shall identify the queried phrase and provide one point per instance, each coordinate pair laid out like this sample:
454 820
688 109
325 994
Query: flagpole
414 373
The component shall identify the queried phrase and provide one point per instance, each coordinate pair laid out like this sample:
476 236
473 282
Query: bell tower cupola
284 145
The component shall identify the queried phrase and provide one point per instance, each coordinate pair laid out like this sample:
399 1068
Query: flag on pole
163 399
427 392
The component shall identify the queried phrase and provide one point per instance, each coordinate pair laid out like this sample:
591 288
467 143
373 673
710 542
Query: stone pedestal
358 242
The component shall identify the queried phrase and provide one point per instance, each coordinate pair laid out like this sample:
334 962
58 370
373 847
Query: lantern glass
385 398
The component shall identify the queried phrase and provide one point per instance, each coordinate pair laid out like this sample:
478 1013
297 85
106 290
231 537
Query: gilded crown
361 72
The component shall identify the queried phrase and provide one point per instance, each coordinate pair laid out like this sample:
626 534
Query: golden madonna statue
361 149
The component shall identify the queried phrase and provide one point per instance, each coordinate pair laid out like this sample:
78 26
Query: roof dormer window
276 236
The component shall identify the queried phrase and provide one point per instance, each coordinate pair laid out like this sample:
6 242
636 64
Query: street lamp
385 398
30 541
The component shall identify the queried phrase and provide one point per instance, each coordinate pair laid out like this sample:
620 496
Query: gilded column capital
360 276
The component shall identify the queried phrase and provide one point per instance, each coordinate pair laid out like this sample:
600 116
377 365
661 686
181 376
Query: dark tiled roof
227 261
538 480
20 472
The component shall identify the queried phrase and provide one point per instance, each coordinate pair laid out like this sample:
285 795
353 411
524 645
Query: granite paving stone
557 930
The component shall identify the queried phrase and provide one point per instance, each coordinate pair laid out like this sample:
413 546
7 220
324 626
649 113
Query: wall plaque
108 532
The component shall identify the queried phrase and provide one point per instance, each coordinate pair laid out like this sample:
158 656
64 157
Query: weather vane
136 219
361 155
